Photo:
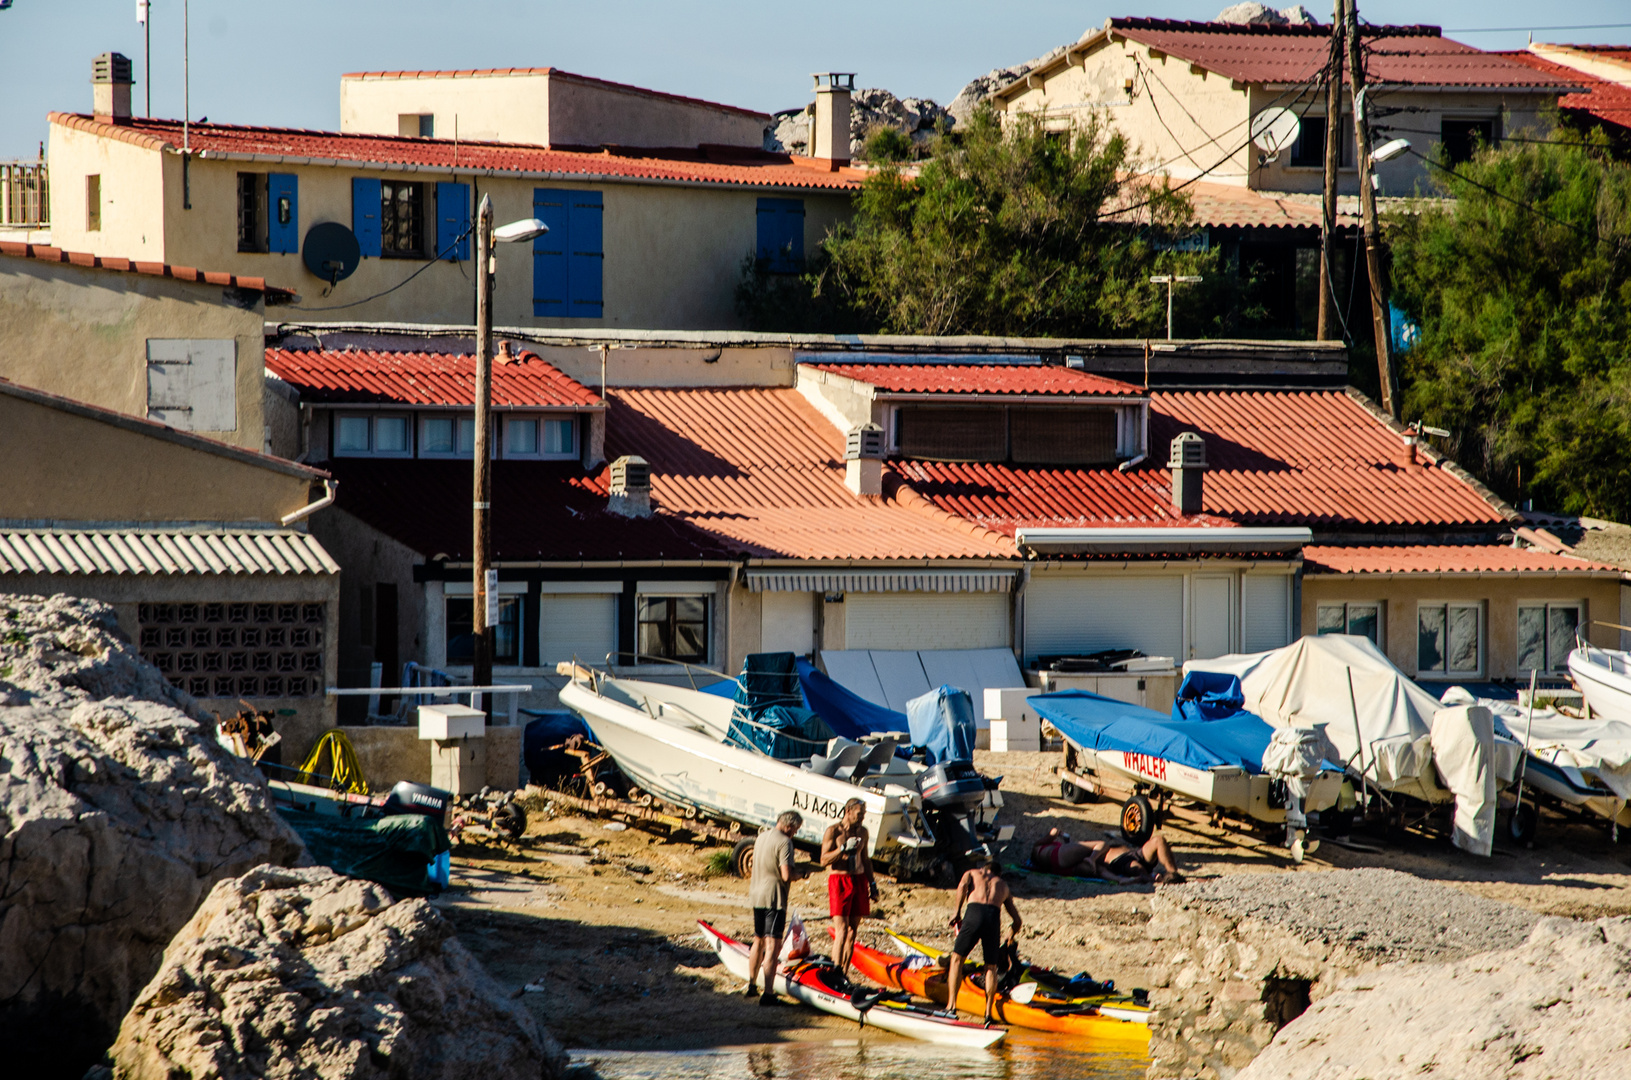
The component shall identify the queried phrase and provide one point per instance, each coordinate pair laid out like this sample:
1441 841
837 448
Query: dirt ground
603 920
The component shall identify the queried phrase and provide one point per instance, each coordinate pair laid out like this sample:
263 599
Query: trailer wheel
742 858
1137 820
511 820
1522 824
1072 794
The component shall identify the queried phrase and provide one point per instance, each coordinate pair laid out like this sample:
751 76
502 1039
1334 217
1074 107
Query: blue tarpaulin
1208 695
770 716
551 728
847 713
1101 723
942 722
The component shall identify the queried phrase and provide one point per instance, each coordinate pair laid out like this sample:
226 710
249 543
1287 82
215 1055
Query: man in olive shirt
767 891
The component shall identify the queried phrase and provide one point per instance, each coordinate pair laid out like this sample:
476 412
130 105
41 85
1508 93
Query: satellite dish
331 251
1275 129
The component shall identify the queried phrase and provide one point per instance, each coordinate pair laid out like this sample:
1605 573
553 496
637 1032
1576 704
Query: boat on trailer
1604 679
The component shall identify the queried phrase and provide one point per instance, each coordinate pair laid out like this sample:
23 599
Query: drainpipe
329 488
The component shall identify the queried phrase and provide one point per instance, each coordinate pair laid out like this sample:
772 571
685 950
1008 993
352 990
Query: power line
369 299
1518 29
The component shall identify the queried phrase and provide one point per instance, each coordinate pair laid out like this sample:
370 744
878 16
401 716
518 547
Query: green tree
1522 289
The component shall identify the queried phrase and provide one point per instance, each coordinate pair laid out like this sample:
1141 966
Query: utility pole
1328 314
483 611
1367 205
143 12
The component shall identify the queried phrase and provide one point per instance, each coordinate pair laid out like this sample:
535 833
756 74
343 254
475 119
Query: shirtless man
851 886
1108 859
984 891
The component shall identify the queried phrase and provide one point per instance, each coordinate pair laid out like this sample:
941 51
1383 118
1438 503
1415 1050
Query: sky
279 63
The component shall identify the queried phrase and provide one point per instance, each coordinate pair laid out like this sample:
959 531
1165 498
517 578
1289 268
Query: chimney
110 88
829 133
1188 465
863 460
631 487
1406 456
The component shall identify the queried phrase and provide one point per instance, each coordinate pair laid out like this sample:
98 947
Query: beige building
201 547
1190 94
169 343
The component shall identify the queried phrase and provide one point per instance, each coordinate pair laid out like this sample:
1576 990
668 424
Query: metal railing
25 194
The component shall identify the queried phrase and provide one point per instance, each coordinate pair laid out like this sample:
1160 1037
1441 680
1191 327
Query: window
1309 151
568 262
780 247
539 437
1546 635
1025 435
673 627
420 125
283 213
251 199
371 436
1462 138
1361 620
1449 639
580 624
506 636
401 219
93 203
937 433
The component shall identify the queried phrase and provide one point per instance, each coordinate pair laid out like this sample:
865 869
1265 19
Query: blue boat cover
770 716
1101 723
1208 695
846 712
551 728
942 722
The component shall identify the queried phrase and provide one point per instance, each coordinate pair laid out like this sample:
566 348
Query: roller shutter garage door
1076 615
580 625
1265 602
927 620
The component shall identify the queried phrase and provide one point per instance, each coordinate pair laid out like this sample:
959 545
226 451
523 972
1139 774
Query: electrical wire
1531 207
1519 29
369 299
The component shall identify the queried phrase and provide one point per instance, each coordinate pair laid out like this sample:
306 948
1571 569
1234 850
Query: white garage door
1265 602
1075 615
581 625
787 622
921 620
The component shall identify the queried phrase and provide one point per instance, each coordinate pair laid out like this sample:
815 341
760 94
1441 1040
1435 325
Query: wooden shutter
780 246
586 259
930 433
1059 436
365 214
549 264
282 222
453 221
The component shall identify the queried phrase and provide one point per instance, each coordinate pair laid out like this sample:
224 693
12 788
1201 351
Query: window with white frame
1546 635
1449 639
447 435
533 436
1362 619
372 435
674 627
460 625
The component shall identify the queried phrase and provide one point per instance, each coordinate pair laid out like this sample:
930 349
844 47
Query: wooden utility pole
1367 205
482 618
1329 318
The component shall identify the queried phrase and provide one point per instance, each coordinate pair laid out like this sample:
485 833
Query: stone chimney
1188 465
110 88
829 131
631 487
863 460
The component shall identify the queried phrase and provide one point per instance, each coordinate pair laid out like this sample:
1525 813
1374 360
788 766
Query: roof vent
829 135
110 87
1188 465
630 487
863 460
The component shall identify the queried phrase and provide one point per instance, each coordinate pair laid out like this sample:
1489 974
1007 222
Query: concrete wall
392 754
60 466
590 114
82 333
1499 595
133 196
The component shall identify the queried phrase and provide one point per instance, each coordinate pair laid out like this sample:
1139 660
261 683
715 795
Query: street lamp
1389 150
1171 281
484 582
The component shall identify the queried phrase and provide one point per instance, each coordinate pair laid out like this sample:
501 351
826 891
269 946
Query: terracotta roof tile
1444 559
1604 100
412 378
555 73
981 379
45 253
1226 206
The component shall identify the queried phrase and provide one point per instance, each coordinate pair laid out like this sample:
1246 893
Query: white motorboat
672 742
1604 678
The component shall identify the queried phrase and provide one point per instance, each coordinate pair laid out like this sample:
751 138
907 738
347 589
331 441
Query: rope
346 773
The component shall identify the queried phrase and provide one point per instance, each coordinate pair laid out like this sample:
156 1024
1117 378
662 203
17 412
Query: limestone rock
1555 1006
870 108
981 87
1252 13
117 815
307 974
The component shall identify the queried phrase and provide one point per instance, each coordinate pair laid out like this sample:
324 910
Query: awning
215 551
860 581
1164 541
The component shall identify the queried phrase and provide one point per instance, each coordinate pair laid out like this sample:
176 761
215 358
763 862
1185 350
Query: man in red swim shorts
851 886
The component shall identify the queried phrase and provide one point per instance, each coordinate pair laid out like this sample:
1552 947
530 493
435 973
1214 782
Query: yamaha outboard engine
953 793
411 798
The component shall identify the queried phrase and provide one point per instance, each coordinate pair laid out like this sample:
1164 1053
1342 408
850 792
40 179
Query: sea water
1024 1055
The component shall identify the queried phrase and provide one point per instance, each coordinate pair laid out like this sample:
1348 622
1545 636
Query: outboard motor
953 793
411 798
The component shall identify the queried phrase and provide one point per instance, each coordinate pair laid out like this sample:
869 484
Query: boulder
118 812
870 108
1554 1006
307 974
1252 13
981 87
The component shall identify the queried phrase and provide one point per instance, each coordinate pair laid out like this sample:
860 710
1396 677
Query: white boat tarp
1596 746
1463 744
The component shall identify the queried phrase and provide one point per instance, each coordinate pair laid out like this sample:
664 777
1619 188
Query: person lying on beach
1108 859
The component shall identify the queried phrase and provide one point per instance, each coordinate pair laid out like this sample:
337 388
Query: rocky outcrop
1247 954
1252 13
117 815
306 974
979 88
1553 1007
871 108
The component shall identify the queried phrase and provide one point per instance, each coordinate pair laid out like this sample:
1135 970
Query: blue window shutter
587 259
283 213
780 246
365 214
549 261
452 219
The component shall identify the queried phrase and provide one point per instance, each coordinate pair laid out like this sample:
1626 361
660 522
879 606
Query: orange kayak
929 981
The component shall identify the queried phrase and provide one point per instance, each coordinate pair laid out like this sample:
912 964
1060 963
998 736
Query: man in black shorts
773 873
985 894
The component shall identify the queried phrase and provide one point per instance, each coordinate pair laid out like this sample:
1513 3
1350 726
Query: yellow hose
346 770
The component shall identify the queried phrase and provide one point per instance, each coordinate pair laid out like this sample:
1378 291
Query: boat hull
1605 689
1230 788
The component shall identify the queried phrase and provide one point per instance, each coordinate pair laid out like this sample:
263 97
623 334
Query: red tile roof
1606 101
1444 559
1291 54
417 378
555 73
1050 379
151 269
732 166
1226 206
1274 458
